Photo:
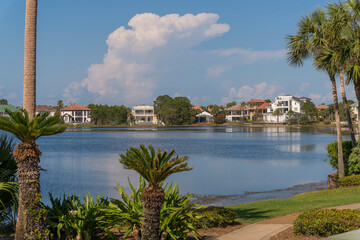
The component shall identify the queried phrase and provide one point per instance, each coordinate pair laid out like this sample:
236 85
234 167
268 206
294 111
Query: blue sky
130 52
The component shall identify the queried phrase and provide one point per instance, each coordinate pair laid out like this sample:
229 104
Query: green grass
262 210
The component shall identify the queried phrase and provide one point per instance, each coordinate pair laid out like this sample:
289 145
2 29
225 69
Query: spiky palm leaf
155 167
18 123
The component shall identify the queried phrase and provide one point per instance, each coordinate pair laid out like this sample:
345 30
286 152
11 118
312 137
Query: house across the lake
282 105
144 114
44 109
76 113
9 107
204 117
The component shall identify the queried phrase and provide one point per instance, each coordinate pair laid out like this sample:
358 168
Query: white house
285 104
204 117
76 113
237 113
144 114
354 109
44 109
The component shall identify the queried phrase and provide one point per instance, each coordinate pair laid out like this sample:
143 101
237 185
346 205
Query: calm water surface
226 160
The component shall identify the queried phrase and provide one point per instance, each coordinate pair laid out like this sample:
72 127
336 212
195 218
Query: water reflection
226 160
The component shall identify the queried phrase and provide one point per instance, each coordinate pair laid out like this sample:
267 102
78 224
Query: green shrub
214 217
70 218
332 155
327 122
8 185
326 222
353 180
354 160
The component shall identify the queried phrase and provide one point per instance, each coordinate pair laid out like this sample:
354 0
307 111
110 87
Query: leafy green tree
332 154
268 100
309 110
109 115
174 111
30 220
230 104
155 167
291 117
3 102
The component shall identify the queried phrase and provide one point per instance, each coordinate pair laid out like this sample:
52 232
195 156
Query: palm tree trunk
153 199
357 93
30 217
346 107
29 101
338 128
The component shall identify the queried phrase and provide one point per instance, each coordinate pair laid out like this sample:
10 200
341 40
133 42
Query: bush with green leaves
8 185
176 219
326 222
354 160
353 180
70 218
214 217
332 155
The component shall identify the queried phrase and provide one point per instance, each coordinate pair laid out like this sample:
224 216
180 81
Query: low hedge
327 222
214 217
353 180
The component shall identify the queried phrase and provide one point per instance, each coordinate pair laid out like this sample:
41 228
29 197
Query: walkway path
266 229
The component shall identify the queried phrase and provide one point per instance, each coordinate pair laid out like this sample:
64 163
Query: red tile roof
264 105
75 107
44 108
322 107
197 107
256 101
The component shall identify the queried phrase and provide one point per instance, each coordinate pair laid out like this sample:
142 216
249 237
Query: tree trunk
357 93
30 222
153 199
346 107
29 101
338 128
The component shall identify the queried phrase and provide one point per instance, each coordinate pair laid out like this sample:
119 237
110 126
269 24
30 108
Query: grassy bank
261 210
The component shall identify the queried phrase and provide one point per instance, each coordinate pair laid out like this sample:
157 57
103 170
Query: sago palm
27 157
315 33
155 167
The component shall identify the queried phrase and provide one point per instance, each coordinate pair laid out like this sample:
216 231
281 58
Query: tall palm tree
351 34
29 100
27 156
155 167
315 33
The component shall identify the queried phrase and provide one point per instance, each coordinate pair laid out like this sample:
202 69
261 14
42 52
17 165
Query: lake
226 160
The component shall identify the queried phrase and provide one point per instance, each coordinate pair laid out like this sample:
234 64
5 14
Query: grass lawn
261 210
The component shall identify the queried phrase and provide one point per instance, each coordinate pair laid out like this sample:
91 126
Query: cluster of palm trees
331 38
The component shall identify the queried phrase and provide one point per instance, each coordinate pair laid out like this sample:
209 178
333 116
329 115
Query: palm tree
27 156
314 34
29 101
155 167
351 34
278 112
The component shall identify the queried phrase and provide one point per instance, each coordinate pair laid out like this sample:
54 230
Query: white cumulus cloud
261 90
127 74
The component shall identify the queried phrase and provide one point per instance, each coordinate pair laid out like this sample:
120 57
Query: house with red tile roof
322 107
76 113
44 109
